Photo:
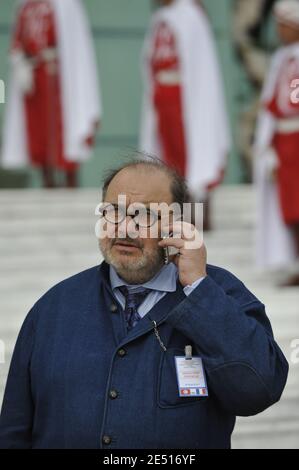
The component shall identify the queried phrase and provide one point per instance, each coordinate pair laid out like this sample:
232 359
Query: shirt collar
165 280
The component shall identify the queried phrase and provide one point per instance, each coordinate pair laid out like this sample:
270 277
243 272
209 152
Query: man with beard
135 353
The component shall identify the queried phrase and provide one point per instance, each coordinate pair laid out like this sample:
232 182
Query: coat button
113 308
107 440
122 352
113 394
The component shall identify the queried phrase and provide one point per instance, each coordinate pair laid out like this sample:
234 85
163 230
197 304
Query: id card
191 377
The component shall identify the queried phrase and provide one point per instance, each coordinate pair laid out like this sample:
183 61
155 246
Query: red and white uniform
167 97
184 120
276 147
52 115
286 139
36 37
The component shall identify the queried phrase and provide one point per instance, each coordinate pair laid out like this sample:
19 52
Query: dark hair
178 188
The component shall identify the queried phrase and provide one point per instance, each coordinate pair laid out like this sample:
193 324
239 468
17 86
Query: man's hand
192 258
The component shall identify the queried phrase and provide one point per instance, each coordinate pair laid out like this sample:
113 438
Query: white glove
271 163
23 71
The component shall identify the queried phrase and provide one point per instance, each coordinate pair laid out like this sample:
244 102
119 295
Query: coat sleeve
246 370
17 409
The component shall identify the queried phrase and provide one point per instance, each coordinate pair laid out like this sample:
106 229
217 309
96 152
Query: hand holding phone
169 250
188 241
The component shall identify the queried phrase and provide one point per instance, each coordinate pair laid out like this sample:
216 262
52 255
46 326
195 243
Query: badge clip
158 336
188 353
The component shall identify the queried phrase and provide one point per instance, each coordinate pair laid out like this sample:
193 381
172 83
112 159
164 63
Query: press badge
190 376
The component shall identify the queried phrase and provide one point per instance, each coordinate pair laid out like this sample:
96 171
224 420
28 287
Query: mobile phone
169 250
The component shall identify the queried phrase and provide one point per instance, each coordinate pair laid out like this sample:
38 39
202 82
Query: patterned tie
133 300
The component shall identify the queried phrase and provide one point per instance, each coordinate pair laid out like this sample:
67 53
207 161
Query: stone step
58 256
64 210
241 191
278 311
237 236
284 438
264 288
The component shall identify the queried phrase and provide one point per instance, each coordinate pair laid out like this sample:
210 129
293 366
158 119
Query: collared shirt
163 282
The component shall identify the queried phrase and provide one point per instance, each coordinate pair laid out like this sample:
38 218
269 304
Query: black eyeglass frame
123 211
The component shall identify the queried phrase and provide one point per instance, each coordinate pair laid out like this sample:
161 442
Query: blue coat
78 380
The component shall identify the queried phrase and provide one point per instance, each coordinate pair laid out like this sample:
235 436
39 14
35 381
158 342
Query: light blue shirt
163 282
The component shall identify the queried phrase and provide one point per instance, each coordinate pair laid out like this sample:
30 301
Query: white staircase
46 236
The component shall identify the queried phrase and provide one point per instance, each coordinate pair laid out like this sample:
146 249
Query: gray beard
140 272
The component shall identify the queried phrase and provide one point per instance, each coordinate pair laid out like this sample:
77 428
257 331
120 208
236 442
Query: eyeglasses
142 216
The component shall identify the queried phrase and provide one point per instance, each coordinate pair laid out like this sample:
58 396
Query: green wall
118 28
